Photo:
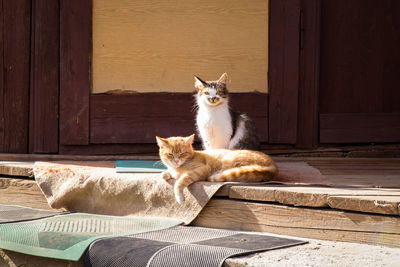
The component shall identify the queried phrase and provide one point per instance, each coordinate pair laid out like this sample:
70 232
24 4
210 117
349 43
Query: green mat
67 236
152 166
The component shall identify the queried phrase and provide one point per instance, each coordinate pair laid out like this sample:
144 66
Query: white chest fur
214 124
172 172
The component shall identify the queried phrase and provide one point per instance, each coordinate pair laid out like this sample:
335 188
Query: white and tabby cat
218 125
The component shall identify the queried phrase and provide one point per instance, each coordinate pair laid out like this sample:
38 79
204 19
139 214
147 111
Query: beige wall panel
157 45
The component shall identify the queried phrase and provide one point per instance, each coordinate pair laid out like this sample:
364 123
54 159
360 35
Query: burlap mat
96 188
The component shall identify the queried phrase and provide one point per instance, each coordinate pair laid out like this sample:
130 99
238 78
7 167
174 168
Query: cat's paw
180 198
215 177
166 175
179 195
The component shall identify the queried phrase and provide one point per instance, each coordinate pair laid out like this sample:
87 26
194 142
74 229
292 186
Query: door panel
362 127
44 77
139 118
15 17
359 71
75 53
283 71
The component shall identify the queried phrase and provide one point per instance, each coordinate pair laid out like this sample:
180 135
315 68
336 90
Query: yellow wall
157 45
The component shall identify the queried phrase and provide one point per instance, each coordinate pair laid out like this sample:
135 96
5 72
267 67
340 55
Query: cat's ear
223 79
161 142
189 140
199 83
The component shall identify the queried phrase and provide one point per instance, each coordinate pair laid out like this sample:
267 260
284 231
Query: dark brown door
15 23
359 96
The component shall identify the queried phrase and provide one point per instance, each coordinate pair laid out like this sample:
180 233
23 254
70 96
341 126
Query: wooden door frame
29 87
75 65
294 72
283 70
308 119
15 26
86 120
44 77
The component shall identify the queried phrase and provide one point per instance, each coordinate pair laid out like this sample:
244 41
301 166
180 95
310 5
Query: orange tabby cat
188 165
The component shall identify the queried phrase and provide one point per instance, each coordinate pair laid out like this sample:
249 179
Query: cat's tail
250 173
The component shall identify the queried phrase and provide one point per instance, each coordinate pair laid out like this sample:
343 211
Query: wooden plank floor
362 206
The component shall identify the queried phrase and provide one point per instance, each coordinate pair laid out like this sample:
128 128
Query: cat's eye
170 155
183 154
206 93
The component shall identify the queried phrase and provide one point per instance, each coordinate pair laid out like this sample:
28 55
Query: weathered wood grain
303 222
359 127
311 218
283 70
16 168
307 130
156 46
14 114
258 193
314 196
362 37
366 203
352 192
139 118
2 75
297 196
56 157
359 106
75 54
109 149
22 192
44 77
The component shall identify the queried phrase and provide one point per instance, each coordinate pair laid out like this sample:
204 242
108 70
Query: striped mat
180 246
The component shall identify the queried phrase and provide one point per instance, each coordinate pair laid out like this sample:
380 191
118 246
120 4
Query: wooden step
327 224
366 214
373 200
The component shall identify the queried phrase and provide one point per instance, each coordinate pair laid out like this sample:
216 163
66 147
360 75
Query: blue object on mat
139 166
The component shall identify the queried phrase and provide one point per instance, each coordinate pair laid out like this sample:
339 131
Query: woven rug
68 236
180 246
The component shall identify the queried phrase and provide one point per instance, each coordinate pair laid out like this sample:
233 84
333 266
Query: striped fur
250 173
216 165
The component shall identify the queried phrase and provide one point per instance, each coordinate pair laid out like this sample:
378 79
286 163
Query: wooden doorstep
16 168
316 223
383 204
257 208
22 192
371 200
